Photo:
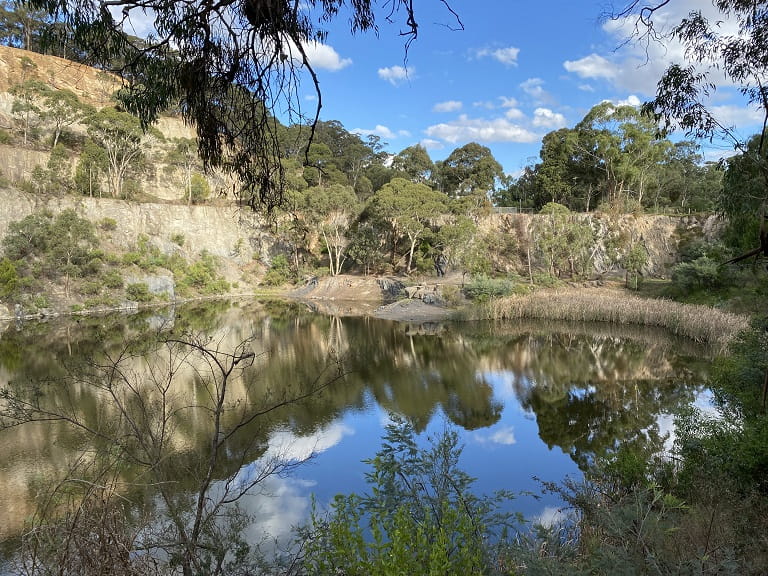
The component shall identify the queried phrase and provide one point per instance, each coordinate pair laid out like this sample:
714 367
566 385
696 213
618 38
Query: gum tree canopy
227 66
726 45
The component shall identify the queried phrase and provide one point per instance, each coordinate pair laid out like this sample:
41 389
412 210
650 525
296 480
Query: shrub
138 292
112 279
9 280
697 274
484 288
178 239
279 272
108 224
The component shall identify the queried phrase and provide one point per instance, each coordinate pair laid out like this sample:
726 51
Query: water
530 400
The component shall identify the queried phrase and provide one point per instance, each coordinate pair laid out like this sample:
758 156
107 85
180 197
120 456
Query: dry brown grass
699 323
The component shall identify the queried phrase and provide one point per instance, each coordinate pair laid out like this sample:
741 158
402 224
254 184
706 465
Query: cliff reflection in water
589 389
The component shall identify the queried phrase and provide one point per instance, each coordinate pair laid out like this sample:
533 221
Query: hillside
150 233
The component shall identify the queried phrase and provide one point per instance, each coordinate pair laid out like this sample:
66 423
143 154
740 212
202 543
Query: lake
530 400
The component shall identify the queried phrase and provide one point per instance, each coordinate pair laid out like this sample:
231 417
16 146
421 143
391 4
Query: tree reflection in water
590 389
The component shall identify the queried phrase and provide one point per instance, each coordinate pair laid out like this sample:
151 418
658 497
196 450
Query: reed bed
699 323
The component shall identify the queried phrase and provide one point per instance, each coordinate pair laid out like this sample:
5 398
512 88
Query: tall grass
699 323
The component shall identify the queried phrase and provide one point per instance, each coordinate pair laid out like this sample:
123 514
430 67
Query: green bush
697 274
178 239
112 279
108 224
138 292
484 288
279 272
10 283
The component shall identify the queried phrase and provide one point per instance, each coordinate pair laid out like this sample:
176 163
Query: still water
529 400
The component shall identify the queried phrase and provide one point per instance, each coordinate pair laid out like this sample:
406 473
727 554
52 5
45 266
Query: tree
471 168
91 164
409 208
27 105
62 108
414 163
420 516
121 136
330 211
226 65
683 92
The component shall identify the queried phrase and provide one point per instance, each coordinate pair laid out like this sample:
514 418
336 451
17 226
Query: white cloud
447 106
546 118
507 56
514 114
630 100
551 516
504 436
431 144
592 66
324 57
286 446
508 102
534 87
481 130
396 74
382 131
586 88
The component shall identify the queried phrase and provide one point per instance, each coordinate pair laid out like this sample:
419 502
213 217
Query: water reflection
517 390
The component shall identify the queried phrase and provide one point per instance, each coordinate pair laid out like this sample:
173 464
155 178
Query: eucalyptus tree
715 53
408 209
331 210
122 138
470 168
62 108
624 146
414 163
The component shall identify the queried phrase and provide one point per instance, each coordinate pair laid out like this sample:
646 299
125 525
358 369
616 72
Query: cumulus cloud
630 100
432 144
324 57
514 114
507 56
504 436
396 74
382 131
480 130
447 106
286 446
546 118
592 66
534 87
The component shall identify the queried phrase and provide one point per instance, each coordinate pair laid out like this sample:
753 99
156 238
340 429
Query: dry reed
699 323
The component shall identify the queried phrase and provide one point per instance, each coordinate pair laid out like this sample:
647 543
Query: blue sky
517 71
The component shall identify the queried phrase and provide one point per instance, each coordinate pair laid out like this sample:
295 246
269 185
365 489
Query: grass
699 323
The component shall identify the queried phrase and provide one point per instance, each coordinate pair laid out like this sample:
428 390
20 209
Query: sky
517 70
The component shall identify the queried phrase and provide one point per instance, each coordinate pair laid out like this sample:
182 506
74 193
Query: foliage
227 84
138 292
483 288
279 272
199 189
563 240
9 280
471 168
421 516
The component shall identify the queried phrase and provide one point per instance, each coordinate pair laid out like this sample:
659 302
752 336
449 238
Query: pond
530 400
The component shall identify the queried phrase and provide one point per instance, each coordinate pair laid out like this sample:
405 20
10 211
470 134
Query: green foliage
138 292
698 274
9 280
202 276
483 288
108 224
199 189
420 517
279 272
178 239
112 279
5 137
